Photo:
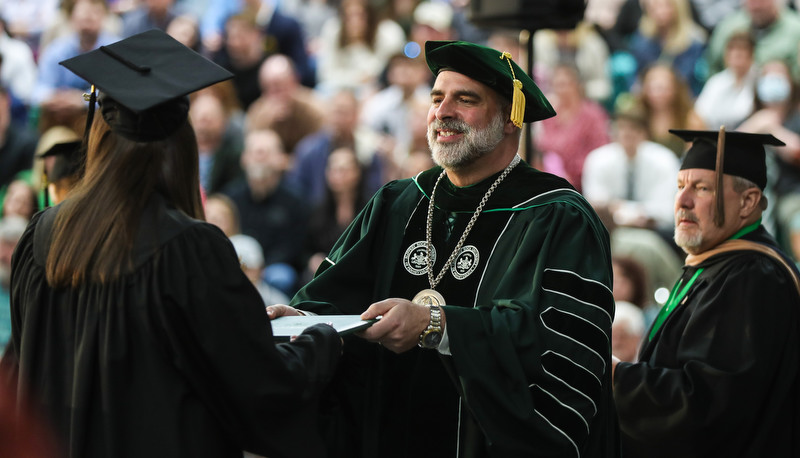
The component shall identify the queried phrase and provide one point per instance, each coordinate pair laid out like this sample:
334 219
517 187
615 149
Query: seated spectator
623 25
632 285
775 27
417 161
17 67
149 14
668 105
709 13
11 229
463 27
312 16
582 47
65 170
356 46
432 21
281 31
185 29
630 281
402 11
26 20
221 211
212 22
632 178
389 112
219 148
622 66
667 33
307 173
60 25
727 97
285 106
251 256
580 127
344 198
776 99
57 88
19 200
268 210
776 112
225 91
17 144
656 255
627 331
602 14
43 166
243 53
283 34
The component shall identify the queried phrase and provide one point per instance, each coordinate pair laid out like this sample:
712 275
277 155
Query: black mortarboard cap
744 153
144 80
495 69
68 160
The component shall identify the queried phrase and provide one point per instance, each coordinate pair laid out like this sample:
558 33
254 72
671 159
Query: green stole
678 294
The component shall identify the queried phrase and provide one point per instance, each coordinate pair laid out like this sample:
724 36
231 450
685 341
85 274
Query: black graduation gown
722 375
174 359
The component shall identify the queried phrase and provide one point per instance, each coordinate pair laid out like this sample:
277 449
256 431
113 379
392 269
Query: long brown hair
373 21
95 230
681 103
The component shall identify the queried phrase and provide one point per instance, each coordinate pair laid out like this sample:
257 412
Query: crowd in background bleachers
330 98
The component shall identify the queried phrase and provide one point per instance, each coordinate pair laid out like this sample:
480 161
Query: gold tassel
719 213
518 98
518 104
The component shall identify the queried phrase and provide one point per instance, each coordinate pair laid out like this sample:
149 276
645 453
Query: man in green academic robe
492 280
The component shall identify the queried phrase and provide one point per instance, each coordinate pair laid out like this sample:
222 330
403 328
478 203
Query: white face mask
772 88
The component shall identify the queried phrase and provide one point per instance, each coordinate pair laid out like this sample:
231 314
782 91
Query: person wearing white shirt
18 67
633 178
727 97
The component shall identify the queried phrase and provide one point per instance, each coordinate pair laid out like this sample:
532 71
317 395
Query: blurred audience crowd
330 98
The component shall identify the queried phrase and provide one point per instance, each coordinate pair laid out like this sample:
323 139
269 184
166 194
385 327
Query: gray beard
685 241
475 144
688 242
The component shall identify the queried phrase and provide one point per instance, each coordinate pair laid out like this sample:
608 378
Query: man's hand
274 311
401 323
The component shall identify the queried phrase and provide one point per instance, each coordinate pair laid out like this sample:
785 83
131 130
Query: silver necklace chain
429 223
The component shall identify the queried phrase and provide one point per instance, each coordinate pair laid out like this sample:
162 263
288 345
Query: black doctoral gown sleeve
721 378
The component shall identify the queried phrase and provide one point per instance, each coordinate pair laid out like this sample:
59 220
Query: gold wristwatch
432 335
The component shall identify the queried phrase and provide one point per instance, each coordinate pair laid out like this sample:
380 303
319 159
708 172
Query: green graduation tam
739 154
68 160
495 69
144 80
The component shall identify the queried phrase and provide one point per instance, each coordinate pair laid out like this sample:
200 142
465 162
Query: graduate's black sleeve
218 335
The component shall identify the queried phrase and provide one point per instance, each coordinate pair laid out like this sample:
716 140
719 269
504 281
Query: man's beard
687 242
475 143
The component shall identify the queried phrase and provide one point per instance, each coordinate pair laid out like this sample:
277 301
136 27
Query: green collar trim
746 230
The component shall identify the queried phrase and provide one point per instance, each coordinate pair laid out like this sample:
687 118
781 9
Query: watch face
431 339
